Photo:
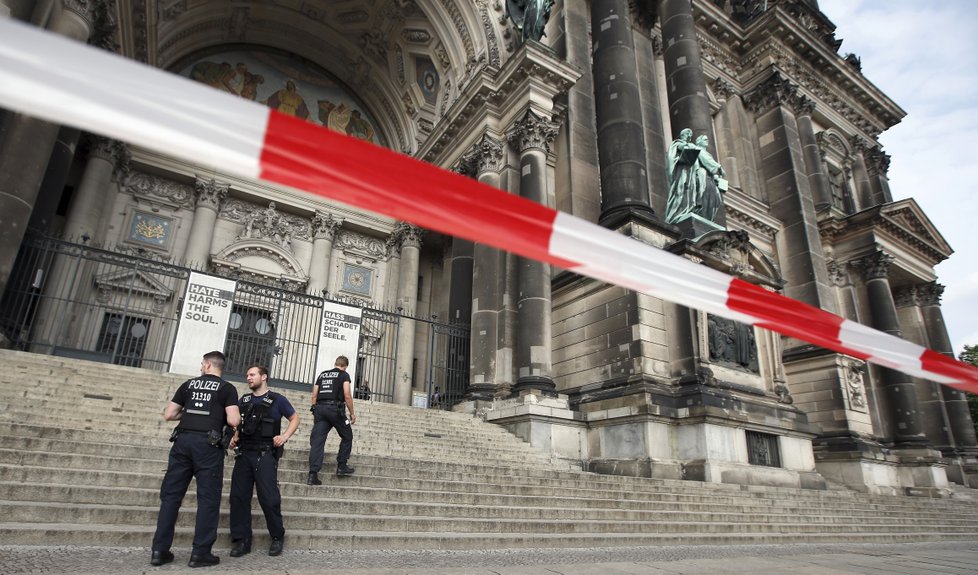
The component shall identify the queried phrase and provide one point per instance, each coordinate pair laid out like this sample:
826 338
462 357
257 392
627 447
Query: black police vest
202 409
257 427
330 384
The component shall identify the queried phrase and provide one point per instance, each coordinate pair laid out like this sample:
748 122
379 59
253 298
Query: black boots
242 547
344 470
275 549
160 558
313 479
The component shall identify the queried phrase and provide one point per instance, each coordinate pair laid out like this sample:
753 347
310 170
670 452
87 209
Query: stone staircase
84 448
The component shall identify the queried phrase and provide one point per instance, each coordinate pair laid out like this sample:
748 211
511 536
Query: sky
923 54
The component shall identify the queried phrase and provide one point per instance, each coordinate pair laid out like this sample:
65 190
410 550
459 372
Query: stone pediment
133 281
902 221
260 260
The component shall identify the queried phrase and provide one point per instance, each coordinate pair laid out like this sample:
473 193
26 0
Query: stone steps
83 467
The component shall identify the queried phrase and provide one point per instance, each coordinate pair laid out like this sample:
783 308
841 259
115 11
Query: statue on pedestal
696 181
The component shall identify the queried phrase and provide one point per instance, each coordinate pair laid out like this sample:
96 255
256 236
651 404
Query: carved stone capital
777 90
838 274
324 226
112 151
532 132
930 294
486 155
210 193
877 162
722 88
658 50
875 266
906 297
404 235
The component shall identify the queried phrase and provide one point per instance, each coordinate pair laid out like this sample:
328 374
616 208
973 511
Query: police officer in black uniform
204 406
330 395
260 443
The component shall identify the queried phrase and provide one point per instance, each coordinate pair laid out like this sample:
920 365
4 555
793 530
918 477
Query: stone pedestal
545 421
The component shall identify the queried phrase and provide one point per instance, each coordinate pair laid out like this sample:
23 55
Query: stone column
95 194
959 420
898 388
817 178
878 164
531 136
488 276
930 401
209 197
686 84
618 110
324 228
28 142
782 160
53 186
658 51
864 191
406 239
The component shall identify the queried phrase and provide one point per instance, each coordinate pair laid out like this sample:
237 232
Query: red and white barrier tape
56 79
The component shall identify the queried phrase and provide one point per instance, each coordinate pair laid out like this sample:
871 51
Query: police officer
204 406
260 443
331 393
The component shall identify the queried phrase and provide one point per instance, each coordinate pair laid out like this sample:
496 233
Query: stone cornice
903 221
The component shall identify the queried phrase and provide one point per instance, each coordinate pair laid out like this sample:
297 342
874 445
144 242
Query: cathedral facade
730 132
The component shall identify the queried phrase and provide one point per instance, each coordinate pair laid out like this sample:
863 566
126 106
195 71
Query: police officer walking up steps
331 393
260 441
203 406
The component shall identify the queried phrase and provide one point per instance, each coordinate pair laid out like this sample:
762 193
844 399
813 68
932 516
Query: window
762 449
123 338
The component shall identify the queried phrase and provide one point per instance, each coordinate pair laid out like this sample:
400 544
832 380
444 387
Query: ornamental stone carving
140 184
877 162
777 90
404 235
532 132
372 247
486 155
837 274
875 266
906 297
112 151
274 226
854 388
210 193
325 226
930 294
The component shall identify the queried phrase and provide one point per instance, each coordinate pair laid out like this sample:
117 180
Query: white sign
204 321
339 334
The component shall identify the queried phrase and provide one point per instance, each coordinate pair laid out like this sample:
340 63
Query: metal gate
122 306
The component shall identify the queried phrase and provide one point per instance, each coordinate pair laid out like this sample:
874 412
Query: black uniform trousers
253 469
327 416
191 457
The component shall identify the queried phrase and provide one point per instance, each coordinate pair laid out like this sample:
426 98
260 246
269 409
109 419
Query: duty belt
331 402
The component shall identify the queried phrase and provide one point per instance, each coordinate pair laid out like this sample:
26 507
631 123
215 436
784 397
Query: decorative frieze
266 223
349 240
140 184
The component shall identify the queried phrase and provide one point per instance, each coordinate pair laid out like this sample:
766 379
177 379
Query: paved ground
957 558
